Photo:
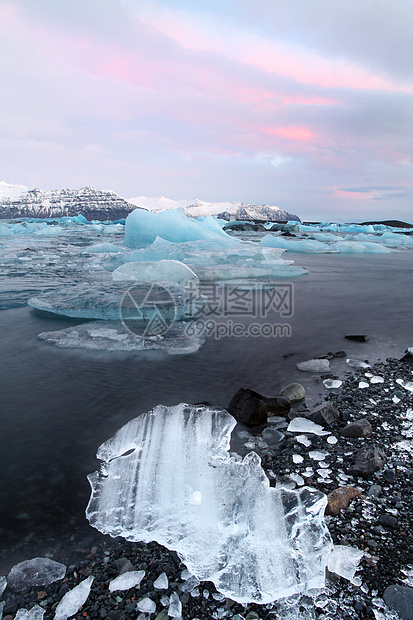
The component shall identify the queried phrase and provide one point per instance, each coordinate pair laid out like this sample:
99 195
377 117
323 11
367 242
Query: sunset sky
303 104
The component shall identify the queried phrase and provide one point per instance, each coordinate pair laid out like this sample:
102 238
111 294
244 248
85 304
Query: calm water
57 406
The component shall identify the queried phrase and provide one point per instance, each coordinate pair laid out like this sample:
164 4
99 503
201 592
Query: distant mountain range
95 204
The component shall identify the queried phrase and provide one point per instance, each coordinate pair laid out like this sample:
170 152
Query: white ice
407 385
303 425
344 561
127 580
35 613
161 583
332 384
146 605
357 247
142 228
175 606
307 246
151 470
314 365
35 572
73 600
3 584
353 363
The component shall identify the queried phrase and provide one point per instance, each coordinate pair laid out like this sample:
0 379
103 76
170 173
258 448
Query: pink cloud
291 132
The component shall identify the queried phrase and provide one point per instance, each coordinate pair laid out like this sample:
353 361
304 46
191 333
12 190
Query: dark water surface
57 406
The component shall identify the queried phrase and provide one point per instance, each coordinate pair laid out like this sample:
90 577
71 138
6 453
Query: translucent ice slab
142 228
167 476
157 271
114 336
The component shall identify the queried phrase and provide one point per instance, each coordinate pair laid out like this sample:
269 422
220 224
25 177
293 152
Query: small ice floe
34 573
314 365
318 455
303 425
73 600
353 363
126 581
304 440
363 385
35 613
162 582
175 606
407 385
344 560
332 384
146 605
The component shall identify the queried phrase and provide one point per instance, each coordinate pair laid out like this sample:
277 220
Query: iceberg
142 228
180 339
167 476
358 247
73 600
35 572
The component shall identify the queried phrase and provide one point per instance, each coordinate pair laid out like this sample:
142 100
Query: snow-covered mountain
223 210
94 204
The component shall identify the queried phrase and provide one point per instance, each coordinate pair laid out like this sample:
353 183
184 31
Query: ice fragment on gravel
357 363
332 384
318 455
3 584
35 613
126 581
175 606
376 380
363 385
344 560
146 605
332 440
303 440
297 458
35 572
149 473
162 582
73 600
303 425
408 385
314 365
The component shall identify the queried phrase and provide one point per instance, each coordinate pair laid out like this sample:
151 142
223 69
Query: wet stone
358 428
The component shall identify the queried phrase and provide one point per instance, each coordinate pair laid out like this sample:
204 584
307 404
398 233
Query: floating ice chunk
36 572
357 247
357 363
344 561
142 228
179 339
332 384
314 365
295 245
157 271
146 605
407 385
35 613
143 492
73 600
303 425
162 582
175 606
363 385
3 584
127 580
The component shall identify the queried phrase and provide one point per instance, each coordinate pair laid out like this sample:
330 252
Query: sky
302 104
